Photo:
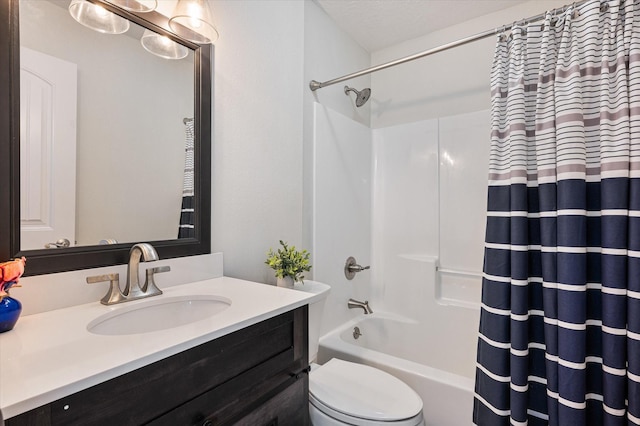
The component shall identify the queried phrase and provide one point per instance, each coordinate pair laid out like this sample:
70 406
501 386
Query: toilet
347 393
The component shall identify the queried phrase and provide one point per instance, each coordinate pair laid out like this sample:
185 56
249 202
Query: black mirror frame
67 259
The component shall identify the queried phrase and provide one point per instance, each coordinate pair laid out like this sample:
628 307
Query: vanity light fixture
162 46
193 21
141 6
97 17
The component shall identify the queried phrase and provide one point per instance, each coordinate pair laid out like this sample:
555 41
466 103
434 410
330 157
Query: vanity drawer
284 409
252 392
237 370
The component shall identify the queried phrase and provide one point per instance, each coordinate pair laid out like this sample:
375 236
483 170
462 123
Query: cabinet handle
300 373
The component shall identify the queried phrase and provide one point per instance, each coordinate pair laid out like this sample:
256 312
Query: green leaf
288 261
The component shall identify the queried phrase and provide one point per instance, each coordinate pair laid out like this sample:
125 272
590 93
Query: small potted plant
289 264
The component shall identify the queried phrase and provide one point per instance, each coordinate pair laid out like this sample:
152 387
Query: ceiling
376 24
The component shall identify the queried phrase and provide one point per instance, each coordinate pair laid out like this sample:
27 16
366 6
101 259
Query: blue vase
10 310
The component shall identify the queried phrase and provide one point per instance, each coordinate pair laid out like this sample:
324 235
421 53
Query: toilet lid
364 392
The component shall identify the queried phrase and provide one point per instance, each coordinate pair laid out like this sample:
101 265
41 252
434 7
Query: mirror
117 126
134 112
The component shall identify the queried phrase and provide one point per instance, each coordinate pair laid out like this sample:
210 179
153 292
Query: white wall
447 83
257 132
328 52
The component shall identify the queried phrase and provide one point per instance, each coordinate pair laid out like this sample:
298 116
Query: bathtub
392 343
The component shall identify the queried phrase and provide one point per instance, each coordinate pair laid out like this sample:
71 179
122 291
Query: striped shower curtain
559 339
186 228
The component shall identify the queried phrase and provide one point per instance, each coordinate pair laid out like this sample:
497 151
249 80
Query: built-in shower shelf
458 272
418 257
448 286
458 287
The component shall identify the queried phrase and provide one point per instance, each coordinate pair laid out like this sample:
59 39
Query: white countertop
51 355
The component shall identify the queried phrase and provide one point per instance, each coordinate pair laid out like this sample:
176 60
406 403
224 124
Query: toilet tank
316 309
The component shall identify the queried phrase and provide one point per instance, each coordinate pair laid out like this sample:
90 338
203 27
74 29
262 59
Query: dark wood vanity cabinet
254 376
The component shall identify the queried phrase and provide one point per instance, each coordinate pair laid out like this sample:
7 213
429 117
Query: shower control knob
358 268
351 267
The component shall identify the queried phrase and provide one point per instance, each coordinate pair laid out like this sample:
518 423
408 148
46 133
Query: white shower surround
342 210
429 199
410 198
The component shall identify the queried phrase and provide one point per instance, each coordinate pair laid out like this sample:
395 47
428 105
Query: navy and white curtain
187 211
559 339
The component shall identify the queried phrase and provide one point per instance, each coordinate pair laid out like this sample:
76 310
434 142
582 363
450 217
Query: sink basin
158 314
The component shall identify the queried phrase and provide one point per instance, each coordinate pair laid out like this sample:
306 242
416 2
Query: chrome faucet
132 290
357 304
148 254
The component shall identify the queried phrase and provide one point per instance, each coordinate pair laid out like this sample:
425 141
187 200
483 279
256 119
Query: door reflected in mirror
106 130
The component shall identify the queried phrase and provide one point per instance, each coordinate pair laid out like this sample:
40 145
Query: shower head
361 97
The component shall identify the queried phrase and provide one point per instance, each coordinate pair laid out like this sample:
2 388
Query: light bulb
162 46
192 21
97 17
101 11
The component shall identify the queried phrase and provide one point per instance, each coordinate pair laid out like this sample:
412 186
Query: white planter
286 282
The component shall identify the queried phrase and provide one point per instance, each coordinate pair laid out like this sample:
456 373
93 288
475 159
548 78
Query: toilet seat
358 394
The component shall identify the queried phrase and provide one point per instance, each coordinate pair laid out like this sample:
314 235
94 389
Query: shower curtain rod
315 85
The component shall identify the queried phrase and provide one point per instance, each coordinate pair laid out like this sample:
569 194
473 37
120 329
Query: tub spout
357 304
